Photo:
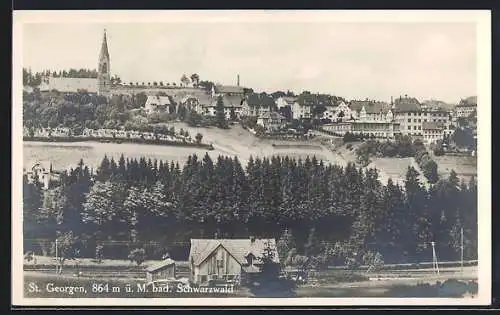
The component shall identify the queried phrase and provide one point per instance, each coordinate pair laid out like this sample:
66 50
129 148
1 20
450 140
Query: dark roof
229 89
238 248
431 125
437 105
161 265
371 107
255 99
315 100
406 104
229 101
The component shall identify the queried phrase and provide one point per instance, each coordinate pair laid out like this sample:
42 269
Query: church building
100 85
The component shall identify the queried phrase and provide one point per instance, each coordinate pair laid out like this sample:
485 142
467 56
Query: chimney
238 80
392 100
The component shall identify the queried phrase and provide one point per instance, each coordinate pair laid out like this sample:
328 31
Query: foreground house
231 260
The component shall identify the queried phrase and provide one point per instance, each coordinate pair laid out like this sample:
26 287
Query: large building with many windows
411 117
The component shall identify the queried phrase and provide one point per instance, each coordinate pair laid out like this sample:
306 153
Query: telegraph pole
462 250
56 257
434 258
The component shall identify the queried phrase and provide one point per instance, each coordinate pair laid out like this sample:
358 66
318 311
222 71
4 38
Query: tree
430 171
285 245
220 114
185 80
195 78
137 255
66 247
98 253
199 137
269 268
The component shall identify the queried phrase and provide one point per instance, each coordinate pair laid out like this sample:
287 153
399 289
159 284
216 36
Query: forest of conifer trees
159 206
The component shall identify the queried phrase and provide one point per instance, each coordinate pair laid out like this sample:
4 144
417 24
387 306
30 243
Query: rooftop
229 89
371 107
160 265
238 248
255 99
406 104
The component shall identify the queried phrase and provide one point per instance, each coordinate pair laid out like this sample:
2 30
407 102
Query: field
234 142
396 168
464 166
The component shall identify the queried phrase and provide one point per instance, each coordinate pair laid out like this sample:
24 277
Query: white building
432 132
271 121
155 103
285 101
466 107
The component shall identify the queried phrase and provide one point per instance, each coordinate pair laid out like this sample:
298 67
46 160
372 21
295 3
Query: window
419 127
420 120
414 120
409 127
414 127
409 120
220 263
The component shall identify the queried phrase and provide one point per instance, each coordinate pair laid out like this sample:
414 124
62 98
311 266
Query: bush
137 255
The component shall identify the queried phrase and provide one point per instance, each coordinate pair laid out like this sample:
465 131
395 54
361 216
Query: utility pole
56 258
462 250
434 258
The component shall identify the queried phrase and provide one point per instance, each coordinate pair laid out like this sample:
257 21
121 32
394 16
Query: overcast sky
354 60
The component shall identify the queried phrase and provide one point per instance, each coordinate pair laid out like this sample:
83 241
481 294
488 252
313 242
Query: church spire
104 47
103 68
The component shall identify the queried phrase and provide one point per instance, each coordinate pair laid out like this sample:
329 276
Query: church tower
103 74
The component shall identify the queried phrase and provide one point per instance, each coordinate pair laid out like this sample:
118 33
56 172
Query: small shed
161 271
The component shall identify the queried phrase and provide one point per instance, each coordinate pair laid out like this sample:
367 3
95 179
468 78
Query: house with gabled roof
156 103
232 260
232 104
255 105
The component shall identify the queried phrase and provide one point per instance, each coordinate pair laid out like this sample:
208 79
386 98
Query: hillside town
142 209
428 120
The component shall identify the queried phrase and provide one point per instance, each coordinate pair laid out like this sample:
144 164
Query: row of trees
31 78
136 203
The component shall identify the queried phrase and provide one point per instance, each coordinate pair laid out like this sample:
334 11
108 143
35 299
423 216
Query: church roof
69 84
